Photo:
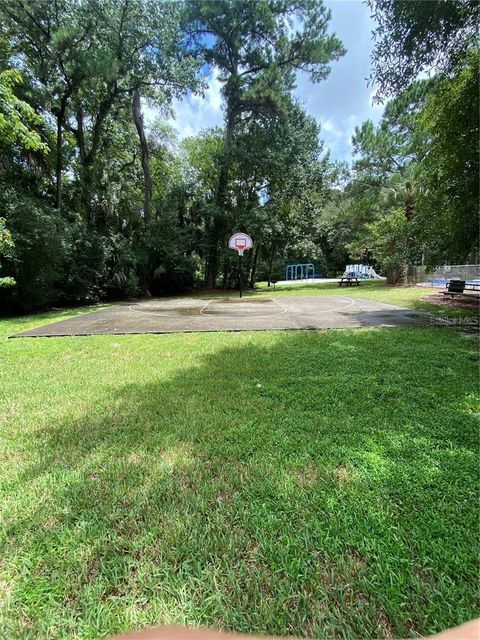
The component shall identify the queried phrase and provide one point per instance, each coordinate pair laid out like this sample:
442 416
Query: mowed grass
310 483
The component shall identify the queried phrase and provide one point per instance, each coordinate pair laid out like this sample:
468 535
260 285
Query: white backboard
240 242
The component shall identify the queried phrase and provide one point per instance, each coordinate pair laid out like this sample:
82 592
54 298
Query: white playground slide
363 271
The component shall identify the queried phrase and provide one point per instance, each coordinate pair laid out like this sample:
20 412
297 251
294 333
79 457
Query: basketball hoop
239 242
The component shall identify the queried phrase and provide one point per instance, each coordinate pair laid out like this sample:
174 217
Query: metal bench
459 288
455 287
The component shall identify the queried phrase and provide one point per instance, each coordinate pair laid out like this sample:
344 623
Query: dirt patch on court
181 311
243 300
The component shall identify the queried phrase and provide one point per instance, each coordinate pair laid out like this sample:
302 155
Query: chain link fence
440 276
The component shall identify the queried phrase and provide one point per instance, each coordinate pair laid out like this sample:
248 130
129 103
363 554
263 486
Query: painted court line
158 313
345 306
283 308
205 306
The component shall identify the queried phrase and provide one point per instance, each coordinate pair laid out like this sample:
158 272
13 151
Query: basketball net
240 249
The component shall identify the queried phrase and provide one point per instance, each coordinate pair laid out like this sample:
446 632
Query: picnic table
348 281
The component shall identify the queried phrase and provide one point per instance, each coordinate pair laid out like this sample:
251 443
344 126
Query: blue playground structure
300 271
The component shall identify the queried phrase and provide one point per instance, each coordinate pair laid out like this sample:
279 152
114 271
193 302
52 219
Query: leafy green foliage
451 167
166 257
84 265
17 118
257 52
6 242
118 209
387 241
6 247
35 258
415 36
413 194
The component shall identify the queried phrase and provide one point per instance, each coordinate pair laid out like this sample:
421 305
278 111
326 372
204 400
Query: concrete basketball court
232 314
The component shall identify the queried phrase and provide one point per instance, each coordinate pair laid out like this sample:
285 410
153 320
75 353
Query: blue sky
344 100
339 103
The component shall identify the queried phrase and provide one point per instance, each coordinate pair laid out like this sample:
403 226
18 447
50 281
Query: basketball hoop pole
240 242
240 271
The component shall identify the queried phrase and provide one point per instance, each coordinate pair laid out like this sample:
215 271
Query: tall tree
450 169
138 45
147 178
55 40
388 155
257 48
92 56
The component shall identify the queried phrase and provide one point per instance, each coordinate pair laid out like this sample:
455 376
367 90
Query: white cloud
329 127
150 113
192 113
332 102
196 112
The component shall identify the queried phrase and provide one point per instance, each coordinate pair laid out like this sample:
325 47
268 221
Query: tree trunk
409 198
211 260
253 270
270 264
59 151
249 255
211 269
225 274
409 207
215 227
58 164
147 178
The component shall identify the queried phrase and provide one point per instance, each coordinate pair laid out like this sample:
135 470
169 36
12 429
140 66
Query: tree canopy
411 37
97 203
257 47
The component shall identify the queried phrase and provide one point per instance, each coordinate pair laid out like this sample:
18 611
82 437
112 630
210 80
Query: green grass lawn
310 483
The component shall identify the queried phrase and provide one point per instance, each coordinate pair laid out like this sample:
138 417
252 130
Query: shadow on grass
321 486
